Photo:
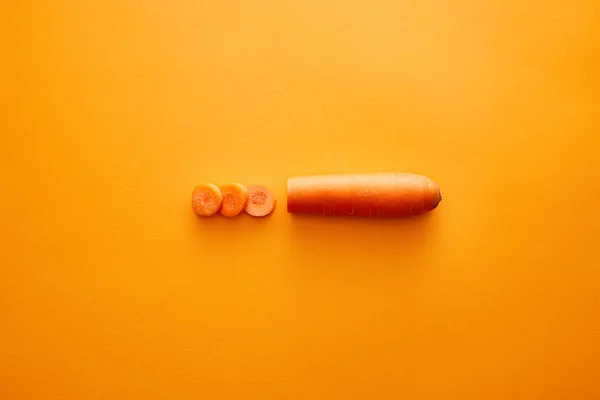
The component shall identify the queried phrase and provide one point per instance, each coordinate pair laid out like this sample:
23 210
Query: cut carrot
363 195
260 200
235 197
206 199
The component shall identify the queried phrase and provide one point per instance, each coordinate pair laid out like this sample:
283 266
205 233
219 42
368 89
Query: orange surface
111 288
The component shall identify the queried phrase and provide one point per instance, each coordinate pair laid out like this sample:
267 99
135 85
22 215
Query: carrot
260 200
363 195
235 196
206 199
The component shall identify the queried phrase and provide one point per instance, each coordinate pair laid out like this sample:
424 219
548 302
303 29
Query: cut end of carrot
235 196
206 199
261 201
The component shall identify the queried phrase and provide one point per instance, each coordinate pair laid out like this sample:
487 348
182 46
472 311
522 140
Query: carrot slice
206 199
235 196
260 200
363 195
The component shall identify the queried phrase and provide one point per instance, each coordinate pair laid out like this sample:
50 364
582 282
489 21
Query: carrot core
258 198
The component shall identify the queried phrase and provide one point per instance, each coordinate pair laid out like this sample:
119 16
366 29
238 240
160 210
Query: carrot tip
437 201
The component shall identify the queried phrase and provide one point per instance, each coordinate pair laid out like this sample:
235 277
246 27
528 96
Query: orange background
110 287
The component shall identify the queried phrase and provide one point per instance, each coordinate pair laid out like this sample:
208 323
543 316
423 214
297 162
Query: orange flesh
260 200
206 199
235 197
363 195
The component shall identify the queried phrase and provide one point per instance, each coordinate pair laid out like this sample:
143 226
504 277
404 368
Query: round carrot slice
206 199
260 200
235 196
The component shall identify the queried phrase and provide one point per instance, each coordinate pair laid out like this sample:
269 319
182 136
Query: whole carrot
387 194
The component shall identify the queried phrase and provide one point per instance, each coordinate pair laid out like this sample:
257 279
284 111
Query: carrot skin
379 195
